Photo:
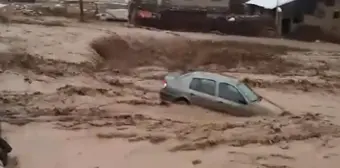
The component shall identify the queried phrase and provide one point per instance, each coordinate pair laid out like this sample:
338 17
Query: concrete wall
323 16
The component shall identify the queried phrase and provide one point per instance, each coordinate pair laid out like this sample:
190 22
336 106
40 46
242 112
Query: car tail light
145 14
164 84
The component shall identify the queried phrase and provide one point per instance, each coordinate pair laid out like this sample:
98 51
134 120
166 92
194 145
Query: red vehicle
173 13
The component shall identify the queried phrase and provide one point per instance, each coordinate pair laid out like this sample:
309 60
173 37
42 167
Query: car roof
214 76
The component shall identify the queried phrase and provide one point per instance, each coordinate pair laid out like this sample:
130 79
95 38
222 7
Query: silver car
212 91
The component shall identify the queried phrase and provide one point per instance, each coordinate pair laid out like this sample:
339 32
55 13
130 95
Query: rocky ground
86 95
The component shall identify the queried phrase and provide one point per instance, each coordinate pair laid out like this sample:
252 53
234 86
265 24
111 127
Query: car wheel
182 101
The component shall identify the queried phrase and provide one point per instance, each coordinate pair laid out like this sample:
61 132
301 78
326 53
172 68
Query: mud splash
187 55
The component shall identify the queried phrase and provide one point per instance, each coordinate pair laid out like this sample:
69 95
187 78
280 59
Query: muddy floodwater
83 149
86 95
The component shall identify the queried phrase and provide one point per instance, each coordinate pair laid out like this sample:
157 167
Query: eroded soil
87 95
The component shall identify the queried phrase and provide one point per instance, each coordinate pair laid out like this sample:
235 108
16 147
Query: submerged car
213 91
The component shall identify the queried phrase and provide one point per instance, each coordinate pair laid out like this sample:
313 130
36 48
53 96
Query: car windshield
247 92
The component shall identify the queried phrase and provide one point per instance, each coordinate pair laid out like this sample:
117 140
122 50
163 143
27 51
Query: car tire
182 101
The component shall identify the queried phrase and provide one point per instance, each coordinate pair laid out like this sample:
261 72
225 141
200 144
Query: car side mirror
243 102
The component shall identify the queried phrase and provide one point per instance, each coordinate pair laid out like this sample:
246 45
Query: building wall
325 16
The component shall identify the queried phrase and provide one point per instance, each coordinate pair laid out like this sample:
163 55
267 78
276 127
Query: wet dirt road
88 97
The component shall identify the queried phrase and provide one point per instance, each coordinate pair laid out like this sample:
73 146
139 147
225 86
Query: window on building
336 15
329 2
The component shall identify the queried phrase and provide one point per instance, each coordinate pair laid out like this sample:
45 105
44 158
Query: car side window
229 92
206 86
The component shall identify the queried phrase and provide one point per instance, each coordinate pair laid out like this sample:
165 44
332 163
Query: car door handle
191 94
219 102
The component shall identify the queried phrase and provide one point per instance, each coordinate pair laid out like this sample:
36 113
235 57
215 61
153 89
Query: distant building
322 13
326 15
292 11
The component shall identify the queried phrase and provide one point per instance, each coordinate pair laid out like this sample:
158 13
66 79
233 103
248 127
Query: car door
230 100
202 92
